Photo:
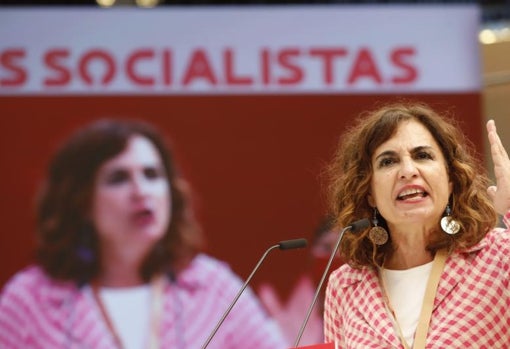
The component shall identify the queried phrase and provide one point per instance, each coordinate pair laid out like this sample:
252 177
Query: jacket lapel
74 313
373 308
453 273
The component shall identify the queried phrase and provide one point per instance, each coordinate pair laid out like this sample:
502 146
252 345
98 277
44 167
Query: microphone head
360 225
291 244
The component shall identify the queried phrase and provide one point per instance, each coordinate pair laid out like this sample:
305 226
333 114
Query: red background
254 162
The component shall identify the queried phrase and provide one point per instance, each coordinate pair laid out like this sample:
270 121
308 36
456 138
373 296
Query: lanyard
157 286
427 305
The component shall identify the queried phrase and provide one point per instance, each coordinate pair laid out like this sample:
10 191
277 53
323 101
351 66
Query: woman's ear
371 200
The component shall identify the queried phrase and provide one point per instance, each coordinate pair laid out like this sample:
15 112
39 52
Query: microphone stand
283 245
356 226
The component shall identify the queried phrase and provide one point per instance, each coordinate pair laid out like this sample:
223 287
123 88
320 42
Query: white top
129 310
406 290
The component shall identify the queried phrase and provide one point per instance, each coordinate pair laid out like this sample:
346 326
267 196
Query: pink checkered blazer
471 308
37 312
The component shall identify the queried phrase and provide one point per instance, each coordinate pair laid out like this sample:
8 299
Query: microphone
282 245
354 227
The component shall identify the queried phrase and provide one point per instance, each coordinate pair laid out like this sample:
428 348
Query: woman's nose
408 169
140 185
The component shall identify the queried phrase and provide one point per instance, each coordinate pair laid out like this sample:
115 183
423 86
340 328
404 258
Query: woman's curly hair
67 242
350 173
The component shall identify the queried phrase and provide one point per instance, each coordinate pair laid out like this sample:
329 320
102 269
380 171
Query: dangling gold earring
448 224
378 235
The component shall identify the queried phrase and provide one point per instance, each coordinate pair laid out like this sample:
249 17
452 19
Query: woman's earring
448 224
378 235
84 249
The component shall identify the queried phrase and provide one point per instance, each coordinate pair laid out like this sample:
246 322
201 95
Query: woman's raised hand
500 193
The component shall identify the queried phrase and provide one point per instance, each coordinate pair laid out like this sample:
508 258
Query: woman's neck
409 250
401 260
119 270
119 278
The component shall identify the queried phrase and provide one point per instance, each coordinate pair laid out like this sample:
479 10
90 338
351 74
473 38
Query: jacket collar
192 277
371 305
72 311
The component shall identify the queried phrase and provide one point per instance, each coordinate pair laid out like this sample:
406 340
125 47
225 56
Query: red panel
254 162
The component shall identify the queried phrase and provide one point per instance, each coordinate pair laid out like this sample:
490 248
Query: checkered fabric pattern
471 307
37 312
